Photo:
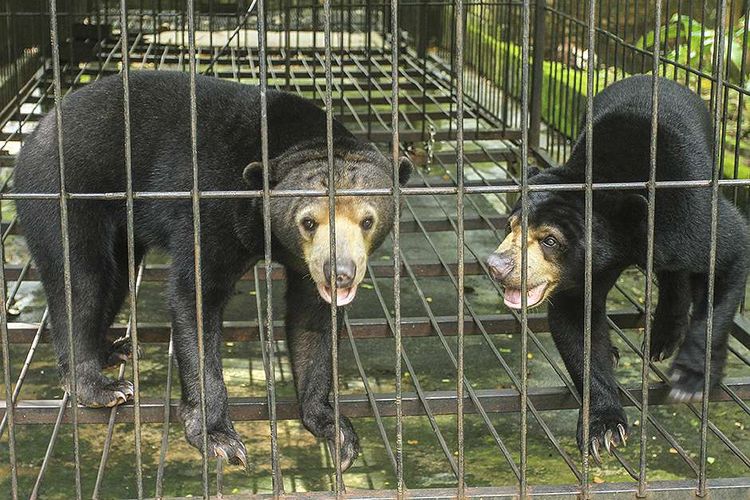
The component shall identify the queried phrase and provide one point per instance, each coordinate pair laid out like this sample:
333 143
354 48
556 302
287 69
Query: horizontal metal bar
356 100
440 402
236 331
160 272
682 488
386 135
471 187
471 222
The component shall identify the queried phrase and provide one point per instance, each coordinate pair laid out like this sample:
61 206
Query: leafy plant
692 43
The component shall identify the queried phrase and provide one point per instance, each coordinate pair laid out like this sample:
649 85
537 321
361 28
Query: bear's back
159 102
622 133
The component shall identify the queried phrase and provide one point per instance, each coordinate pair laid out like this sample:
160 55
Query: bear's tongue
344 296
512 296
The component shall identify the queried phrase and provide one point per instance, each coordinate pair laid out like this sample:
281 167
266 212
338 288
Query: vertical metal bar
716 93
526 21
113 411
54 41
9 394
165 426
10 408
25 368
131 244
588 275
459 73
642 485
396 236
195 197
537 74
338 484
51 445
278 485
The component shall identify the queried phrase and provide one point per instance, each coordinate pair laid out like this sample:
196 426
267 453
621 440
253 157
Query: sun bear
556 246
232 231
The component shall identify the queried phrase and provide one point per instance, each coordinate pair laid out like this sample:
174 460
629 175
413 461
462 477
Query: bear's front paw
223 441
666 337
607 427
322 426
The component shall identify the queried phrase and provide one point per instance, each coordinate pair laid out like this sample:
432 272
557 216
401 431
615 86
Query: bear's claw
222 440
609 431
349 451
322 425
662 348
228 447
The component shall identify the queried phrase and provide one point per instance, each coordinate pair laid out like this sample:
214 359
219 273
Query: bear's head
556 238
301 224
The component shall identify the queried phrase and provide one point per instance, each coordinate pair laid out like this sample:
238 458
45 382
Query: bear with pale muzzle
229 148
556 246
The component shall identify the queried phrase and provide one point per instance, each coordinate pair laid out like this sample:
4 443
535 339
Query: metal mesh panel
458 395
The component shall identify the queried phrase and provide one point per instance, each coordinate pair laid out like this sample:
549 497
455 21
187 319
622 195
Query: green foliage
563 87
688 43
692 43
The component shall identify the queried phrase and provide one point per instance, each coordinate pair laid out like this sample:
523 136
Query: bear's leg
98 289
308 326
608 425
671 320
120 350
223 441
688 367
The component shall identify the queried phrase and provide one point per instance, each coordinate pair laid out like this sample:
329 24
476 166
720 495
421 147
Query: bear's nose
345 272
500 266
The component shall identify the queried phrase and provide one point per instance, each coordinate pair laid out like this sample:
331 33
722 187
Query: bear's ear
632 211
405 166
253 175
533 171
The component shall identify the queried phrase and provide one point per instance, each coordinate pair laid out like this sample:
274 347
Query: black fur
622 125
231 229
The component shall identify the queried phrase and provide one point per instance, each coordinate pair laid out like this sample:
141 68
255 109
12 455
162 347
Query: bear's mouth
534 295
344 296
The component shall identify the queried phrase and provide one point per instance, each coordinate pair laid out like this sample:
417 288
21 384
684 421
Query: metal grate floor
362 96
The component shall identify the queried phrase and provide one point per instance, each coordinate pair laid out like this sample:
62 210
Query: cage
452 394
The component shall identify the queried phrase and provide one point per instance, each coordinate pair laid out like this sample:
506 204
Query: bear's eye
550 242
367 223
309 224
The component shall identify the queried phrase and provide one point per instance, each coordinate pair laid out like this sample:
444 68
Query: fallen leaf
672 451
710 460
412 441
598 480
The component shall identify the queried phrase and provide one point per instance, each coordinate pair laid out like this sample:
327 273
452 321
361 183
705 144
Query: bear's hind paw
120 351
687 386
104 394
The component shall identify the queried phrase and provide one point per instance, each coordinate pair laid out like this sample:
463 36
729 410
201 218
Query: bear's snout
500 265
346 270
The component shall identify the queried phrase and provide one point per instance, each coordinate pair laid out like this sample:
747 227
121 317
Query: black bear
232 231
621 141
